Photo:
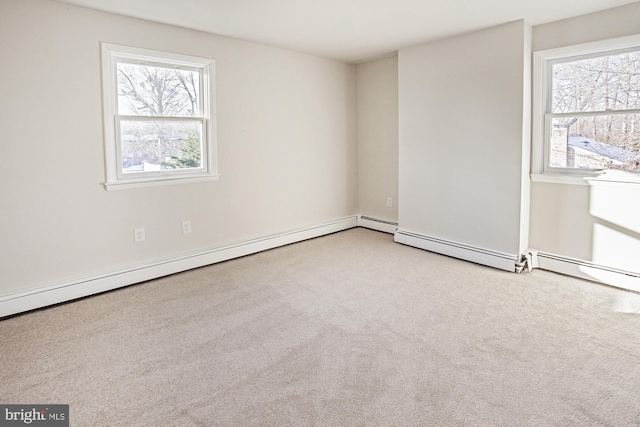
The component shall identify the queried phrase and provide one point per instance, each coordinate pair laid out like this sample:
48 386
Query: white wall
464 115
607 24
378 138
290 151
599 223
287 141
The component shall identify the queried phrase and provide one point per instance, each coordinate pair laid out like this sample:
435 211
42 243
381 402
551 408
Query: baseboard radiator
490 258
62 292
377 224
586 270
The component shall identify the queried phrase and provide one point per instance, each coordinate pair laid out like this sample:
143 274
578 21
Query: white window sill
587 179
140 183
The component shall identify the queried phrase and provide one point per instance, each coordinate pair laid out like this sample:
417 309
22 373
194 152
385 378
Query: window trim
115 179
542 61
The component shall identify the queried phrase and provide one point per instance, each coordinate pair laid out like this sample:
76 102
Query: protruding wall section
464 132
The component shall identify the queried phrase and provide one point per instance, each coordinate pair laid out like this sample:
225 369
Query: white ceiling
348 30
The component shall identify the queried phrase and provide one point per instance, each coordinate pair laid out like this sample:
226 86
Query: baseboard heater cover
490 258
377 224
22 301
587 270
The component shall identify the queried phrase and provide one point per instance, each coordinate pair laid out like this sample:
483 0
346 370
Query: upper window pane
148 90
610 82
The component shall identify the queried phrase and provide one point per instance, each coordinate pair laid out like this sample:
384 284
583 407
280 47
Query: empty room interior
320 213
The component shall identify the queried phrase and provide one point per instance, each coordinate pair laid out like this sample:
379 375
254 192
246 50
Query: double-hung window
158 117
587 109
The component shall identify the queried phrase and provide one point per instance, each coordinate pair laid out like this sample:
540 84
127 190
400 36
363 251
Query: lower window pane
160 145
596 142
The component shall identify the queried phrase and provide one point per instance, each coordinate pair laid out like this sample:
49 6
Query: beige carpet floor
349 329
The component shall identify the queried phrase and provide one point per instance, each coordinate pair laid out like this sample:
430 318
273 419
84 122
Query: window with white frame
587 108
158 117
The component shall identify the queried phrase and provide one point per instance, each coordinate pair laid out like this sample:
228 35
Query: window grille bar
595 113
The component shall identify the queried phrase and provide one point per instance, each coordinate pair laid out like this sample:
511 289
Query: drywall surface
287 139
463 135
378 138
611 23
560 223
598 222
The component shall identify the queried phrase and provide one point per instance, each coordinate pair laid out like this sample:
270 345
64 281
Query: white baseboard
587 270
377 224
500 260
56 293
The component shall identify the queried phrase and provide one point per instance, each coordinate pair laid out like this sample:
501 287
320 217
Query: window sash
175 173
596 53
548 120
168 64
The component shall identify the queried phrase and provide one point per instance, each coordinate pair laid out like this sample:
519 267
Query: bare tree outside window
150 97
146 90
595 112
159 122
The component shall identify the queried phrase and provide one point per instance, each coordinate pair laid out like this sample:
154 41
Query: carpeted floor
349 329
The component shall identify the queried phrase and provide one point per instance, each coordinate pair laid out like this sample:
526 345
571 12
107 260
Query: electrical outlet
186 227
389 201
138 235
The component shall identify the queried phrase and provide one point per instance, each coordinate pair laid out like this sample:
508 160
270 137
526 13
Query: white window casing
543 62
203 119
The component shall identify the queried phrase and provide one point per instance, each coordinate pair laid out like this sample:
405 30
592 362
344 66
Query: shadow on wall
615 210
590 231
